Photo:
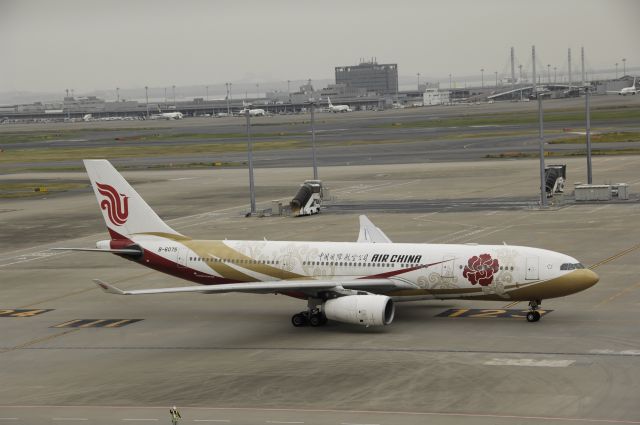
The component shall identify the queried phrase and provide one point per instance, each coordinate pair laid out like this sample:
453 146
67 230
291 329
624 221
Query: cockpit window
571 266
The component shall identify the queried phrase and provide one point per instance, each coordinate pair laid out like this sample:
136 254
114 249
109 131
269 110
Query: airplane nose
591 278
578 280
586 278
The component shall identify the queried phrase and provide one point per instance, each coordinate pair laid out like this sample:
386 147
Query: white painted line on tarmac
8 419
140 419
619 353
69 419
30 257
284 422
529 362
351 423
211 420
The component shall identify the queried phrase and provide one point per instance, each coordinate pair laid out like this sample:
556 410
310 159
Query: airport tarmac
235 358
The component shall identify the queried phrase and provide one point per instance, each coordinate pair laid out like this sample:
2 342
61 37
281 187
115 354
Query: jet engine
366 310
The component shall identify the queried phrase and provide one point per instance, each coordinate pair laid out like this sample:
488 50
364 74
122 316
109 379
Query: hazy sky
52 45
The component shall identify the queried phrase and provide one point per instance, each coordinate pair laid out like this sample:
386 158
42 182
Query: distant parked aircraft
253 112
627 90
168 116
338 108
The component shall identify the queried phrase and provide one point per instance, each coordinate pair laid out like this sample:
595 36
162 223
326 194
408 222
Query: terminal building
370 76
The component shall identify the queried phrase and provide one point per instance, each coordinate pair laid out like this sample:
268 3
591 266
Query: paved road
343 139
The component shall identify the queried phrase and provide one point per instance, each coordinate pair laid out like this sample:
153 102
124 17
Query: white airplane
338 108
349 282
168 116
626 90
253 112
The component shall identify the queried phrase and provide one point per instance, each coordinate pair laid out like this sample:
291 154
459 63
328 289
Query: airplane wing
280 286
369 233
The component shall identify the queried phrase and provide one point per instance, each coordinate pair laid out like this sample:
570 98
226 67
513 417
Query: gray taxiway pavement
357 138
235 358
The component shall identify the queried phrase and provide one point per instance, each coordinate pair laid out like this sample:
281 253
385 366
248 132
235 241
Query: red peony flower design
480 269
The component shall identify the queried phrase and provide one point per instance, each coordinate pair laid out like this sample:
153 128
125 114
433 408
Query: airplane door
447 266
181 257
532 268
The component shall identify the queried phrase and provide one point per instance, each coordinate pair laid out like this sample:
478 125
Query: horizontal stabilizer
280 286
109 288
111 251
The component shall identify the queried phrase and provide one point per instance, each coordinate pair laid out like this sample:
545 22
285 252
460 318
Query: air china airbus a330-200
349 282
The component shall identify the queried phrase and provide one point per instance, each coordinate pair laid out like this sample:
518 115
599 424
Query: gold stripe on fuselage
218 249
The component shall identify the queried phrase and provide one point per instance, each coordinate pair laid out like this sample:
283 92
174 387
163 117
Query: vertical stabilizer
123 210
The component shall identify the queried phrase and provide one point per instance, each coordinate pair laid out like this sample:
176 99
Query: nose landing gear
533 315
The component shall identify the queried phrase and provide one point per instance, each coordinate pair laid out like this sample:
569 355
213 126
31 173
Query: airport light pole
146 94
252 192
624 66
588 133
165 97
207 93
227 87
174 96
257 90
496 72
543 192
616 70
118 94
418 74
482 74
555 75
548 73
313 138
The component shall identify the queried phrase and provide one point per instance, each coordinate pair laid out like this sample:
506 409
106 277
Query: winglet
369 233
109 288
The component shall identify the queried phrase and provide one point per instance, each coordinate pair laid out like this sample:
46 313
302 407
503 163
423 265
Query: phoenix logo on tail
117 208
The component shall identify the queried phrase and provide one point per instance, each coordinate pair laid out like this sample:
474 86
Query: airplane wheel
315 320
298 320
533 316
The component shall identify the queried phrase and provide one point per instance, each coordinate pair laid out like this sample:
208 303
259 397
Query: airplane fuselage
432 271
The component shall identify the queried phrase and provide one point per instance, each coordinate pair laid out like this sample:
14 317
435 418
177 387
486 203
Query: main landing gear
533 315
313 317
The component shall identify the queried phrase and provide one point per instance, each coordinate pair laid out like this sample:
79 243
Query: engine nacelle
366 310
